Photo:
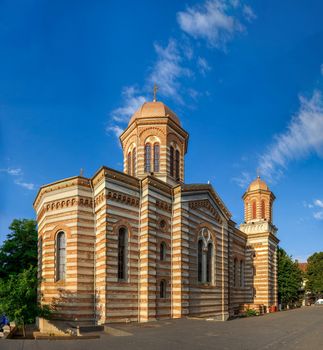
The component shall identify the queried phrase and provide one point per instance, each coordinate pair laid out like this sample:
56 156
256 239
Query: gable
206 206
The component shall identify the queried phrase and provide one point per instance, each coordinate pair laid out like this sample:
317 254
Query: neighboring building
143 245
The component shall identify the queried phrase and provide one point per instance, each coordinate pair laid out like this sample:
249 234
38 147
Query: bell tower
258 202
261 244
154 143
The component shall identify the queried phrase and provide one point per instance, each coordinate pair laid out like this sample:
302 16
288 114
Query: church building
142 245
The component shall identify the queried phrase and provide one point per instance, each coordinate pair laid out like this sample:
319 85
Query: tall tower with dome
143 245
155 143
262 241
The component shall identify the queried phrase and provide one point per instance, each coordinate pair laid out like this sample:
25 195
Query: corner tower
261 243
155 143
258 202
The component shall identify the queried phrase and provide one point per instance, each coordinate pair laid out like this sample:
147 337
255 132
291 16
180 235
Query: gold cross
155 92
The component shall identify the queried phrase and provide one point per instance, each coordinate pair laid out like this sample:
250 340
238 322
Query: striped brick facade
209 268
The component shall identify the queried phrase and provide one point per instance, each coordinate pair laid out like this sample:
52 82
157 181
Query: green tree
19 250
18 297
314 274
289 278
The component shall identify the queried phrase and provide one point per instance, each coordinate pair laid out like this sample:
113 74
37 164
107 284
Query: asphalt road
295 329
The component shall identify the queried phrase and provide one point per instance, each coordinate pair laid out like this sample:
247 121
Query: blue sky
245 78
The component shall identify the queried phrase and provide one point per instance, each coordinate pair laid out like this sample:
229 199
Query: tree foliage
19 250
314 274
18 296
18 274
289 278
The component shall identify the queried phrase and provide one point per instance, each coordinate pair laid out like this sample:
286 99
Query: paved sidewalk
300 329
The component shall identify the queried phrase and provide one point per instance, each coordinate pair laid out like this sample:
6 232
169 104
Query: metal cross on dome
155 92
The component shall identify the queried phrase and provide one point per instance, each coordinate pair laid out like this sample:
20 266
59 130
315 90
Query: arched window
122 238
235 272
134 155
156 157
129 163
254 210
241 273
209 263
147 157
40 257
61 256
205 256
162 251
263 209
171 161
177 156
162 289
199 260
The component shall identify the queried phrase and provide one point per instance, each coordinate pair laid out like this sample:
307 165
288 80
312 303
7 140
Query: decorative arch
128 142
57 228
206 252
153 131
173 139
122 223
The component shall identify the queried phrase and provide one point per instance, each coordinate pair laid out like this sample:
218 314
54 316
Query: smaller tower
258 202
262 243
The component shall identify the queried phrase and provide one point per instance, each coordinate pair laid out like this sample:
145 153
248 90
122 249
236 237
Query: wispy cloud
303 136
321 69
132 100
17 173
318 214
12 171
26 185
213 21
316 207
115 129
203 65
168 69
243 180
248 13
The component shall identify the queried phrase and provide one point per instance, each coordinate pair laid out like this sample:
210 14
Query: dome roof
258 184
154 109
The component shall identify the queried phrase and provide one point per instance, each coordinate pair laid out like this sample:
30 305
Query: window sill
206 285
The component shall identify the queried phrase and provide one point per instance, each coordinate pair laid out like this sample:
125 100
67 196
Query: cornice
58 185
68 202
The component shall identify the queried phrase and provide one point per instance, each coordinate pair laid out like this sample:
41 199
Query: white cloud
18 172
116 129
26 185
248 13
303 136
317 208
243 180
132 101
203 65
12 171
211 21
168 70
318 215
